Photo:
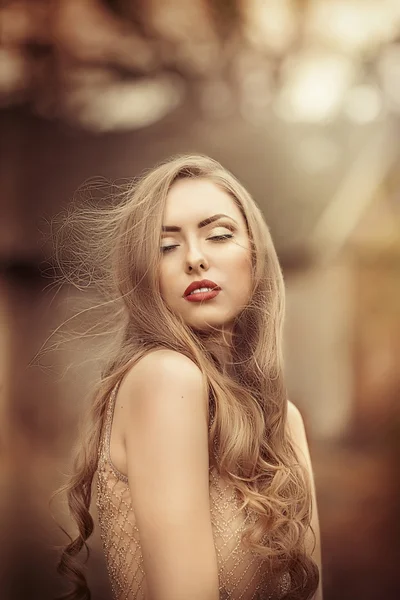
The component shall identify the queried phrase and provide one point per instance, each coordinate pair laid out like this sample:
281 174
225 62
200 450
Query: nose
196 261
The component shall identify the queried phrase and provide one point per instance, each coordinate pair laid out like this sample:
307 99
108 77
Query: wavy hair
247 399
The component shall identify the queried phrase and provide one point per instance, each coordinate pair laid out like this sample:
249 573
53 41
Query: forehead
191 200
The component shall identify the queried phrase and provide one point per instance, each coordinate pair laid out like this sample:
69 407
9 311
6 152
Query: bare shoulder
163 381
163 364
295 420
163 369
297 431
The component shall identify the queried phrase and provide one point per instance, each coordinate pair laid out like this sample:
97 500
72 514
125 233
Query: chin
204 327
211 324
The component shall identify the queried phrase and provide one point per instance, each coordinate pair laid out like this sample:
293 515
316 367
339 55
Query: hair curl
248 401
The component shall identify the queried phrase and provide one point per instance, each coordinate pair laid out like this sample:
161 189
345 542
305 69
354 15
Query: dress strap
107 432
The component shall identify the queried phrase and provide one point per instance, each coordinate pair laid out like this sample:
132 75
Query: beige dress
241 573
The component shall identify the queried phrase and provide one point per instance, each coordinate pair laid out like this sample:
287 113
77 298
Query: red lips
204 283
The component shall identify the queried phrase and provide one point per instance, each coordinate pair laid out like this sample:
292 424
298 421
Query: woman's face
197 245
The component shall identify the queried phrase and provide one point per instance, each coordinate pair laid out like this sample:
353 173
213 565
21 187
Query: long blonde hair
247 401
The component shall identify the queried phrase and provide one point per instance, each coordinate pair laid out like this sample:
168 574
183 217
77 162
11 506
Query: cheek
242 266
240 270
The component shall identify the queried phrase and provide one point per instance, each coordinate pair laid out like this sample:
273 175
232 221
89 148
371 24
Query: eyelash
218 238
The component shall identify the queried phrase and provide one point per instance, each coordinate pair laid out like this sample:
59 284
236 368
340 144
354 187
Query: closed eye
165 249
218 238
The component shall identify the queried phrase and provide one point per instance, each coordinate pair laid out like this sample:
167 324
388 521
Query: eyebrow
200 225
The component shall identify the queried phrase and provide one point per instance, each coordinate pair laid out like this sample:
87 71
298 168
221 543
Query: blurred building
301 100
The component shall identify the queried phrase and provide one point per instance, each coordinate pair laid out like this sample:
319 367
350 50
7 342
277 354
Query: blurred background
301 100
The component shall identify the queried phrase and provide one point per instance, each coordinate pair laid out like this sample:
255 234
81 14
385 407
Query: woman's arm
168 471
299 439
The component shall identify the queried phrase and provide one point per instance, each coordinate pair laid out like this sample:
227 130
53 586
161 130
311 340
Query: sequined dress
241 573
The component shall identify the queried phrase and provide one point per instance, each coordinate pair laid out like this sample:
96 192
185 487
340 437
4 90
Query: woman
204 482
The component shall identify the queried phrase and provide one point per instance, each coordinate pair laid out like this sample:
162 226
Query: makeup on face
205 267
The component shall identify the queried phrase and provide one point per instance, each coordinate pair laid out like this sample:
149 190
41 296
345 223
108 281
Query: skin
195 256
